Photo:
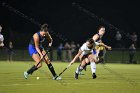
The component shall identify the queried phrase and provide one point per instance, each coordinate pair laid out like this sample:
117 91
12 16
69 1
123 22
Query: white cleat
26 75
58 78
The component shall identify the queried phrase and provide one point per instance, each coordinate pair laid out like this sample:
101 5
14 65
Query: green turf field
112 78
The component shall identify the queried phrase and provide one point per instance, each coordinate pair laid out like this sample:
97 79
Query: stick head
57 78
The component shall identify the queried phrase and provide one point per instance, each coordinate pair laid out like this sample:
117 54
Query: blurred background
71 22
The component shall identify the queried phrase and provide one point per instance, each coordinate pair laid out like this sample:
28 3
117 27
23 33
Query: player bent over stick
86 56
37 52
100 49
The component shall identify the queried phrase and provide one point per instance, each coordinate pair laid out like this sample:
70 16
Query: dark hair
100 27
44 27
90 40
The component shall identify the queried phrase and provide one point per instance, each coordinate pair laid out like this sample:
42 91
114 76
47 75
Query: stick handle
41 59
65 69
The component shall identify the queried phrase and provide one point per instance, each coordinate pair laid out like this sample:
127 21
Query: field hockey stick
42 58
63 70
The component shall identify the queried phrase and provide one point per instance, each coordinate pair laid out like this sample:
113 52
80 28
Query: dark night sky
68 21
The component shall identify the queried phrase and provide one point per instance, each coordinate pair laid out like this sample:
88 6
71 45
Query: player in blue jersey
36 51
100 49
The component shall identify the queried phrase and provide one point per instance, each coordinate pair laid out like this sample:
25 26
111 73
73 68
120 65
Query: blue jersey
31 47
99 39
41 40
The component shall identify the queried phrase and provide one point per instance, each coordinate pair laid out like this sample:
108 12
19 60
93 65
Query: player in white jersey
100 49
86 56
1 38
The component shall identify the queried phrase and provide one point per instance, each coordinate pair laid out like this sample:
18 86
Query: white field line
61 82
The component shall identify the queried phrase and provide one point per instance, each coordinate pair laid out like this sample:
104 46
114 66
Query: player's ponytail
44 27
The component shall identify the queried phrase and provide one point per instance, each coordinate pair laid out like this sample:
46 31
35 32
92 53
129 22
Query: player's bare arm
95 37
76 57
49 39
36 39
106 46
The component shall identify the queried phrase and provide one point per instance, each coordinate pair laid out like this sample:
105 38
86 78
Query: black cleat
76 75
94 76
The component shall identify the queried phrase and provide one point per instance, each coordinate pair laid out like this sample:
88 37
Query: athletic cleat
57 78
94 76
26 75
76 75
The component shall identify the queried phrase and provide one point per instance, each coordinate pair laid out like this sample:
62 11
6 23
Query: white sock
93 67
79 68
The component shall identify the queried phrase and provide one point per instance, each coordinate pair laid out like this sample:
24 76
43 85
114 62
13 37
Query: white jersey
1 40
85 49
1 37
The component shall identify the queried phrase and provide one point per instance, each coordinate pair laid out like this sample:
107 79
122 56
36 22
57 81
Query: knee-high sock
79 69
93 67
85 66
32 69
50 66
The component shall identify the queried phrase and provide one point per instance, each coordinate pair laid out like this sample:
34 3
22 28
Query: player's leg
33 52
84 67
101 54
36 58
50 66
81 66
104 53
95 52
92 59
